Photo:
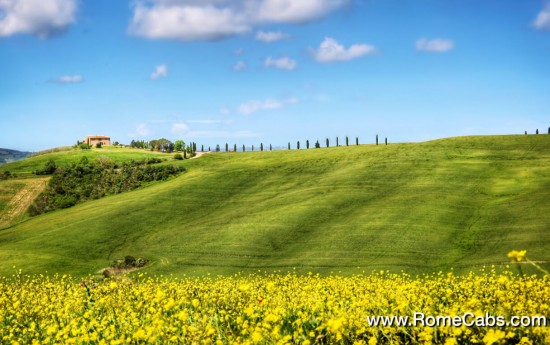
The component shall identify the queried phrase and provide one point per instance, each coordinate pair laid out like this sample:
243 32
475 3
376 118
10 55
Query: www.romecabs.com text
467 319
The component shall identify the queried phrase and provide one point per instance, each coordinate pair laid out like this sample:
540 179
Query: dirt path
22 200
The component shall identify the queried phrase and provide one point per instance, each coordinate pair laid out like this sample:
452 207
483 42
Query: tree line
87 180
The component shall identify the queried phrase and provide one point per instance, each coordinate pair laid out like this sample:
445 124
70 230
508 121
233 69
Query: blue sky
271 71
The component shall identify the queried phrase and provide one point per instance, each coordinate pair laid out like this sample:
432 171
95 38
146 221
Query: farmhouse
92 140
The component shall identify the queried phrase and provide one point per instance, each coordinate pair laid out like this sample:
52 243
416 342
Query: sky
271 71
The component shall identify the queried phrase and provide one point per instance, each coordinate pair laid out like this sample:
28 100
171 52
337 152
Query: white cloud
141 131
187 22
222 134
543 19
239 66
292 11
271 36
213 20
67 79
42 18
436 45
282 63
180 128
330 51
160 71
253 106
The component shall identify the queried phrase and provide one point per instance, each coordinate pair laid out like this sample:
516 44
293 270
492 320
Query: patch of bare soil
21 201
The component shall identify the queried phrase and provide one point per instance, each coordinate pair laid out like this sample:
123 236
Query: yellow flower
517 255
493 336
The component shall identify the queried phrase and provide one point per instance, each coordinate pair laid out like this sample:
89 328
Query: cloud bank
42 18
209 20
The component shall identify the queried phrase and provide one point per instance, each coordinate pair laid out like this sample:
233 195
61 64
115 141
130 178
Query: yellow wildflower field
274 309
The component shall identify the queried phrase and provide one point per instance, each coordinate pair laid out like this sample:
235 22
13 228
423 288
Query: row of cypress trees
298 146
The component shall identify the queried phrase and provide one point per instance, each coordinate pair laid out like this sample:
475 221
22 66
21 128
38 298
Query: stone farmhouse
92 140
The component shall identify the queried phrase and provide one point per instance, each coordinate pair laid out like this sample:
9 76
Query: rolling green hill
451 203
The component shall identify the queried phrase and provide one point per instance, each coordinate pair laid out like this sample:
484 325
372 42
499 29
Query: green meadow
457 203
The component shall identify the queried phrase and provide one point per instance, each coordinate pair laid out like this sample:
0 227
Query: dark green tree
376 139
289 145
179 145
262 147
235 147
307 144
202 148
328 142
317 145
298 144
337 142
537 131
270 147
347 141
218 148
243 148
226 147
386 140
357 141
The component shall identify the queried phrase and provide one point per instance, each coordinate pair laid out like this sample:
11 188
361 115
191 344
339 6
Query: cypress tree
347 141
235 147
327 142
243 148
376 139
298 145
307 141
202 148
289 145
386 140
209 149
218 148
336 141
262 147
357 141
270 147
317 145
537 132
525 132
252 148
548 130
226 147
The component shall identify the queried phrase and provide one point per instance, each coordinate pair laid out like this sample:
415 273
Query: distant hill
456 203
8 156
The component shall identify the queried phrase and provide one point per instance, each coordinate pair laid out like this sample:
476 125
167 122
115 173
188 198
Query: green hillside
458 202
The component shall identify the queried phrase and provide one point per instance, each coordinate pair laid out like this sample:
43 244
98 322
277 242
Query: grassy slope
456 202
25 167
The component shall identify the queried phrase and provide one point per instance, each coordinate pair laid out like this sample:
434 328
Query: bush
178 157
48 169
92 180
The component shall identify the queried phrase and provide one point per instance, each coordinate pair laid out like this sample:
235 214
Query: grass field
67 156
451 203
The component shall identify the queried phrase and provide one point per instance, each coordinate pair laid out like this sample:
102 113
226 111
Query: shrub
48 169
178 156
